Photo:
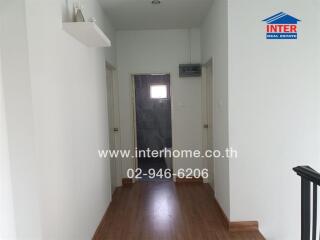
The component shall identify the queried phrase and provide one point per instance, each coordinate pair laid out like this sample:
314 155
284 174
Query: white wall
161 51
214 44
57 120
7 224
20 121
273 113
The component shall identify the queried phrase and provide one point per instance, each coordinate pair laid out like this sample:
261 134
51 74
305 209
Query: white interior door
113 124
207 109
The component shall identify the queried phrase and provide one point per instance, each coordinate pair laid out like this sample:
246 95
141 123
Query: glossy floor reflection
152 163
166 211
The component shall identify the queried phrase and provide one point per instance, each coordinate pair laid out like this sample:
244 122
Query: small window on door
158 92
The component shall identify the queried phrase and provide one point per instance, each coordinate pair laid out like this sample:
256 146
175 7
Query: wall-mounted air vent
190 70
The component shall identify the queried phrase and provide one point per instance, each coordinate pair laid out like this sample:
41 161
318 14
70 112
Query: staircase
309 178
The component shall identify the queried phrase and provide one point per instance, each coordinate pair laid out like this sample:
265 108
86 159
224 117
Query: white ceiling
170 14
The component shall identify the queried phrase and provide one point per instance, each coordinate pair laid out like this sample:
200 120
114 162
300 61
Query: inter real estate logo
282 26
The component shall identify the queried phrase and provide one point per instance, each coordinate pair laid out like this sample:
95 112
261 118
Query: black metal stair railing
308 177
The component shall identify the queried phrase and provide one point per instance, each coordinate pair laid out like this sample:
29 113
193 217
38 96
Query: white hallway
53 118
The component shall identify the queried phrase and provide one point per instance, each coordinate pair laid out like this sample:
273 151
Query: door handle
116 129
205 126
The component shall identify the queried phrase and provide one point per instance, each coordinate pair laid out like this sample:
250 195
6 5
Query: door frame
116 121
134 122
207 164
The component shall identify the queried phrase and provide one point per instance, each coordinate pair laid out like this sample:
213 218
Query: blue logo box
282 36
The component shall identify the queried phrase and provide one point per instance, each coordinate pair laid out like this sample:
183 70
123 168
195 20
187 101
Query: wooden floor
166 211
